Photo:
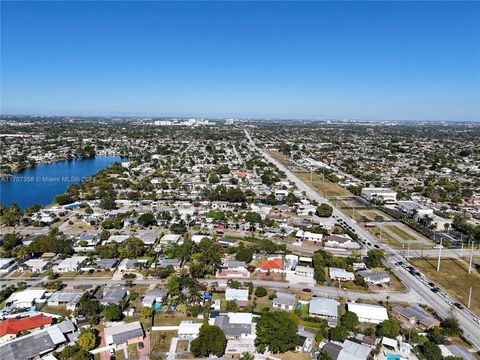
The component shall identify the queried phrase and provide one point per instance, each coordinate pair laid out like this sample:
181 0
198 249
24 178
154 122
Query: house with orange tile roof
10 328
272 264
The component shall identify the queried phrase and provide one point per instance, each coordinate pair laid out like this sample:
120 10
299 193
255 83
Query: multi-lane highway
441 302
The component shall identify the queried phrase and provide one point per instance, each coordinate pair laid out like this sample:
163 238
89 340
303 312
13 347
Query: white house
341 274
307 235
26 298
284 301
374 277
304 271
240 295
189 330
70 264
384 195
374 314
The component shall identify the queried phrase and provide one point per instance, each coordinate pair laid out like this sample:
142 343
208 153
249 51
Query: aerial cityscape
164 196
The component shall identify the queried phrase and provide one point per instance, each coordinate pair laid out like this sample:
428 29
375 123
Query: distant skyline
305 60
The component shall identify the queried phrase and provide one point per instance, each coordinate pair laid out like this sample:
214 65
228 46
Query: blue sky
392 60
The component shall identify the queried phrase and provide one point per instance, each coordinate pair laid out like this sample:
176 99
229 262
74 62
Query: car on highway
378 247
307 290
458 305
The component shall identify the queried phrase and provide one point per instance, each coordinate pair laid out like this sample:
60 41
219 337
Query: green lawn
160 342
454 278
399 232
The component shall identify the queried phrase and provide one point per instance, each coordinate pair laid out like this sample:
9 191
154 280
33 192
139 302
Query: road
468 321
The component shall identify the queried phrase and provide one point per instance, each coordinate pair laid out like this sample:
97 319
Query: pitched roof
15 326
271 264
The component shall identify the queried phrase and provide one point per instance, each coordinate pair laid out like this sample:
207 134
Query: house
304 271
354 351
33 345
383 195
68 298
323 307
188 329
112 295
128 264
171 238
272 264
414 315
235 325
307 235
148 238
72 263
340 274
233 270
6 264
284 301
36 265
154 296
226 242
456 351
174 263
239 295
373 314
199 237
123 334
337 241
107 264
374 277
25 299
117 238
10 328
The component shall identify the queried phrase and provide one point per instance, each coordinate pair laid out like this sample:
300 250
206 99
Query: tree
131 248
338 333
247 356
108 203
173 286
10 241
244 253
146 312
147 219
260 291
87 339
430 351
112 312
451 327
253 217
213 178
325 356
232 306
324 210
375 258
388 328
277 332
63 199
349 320
210 341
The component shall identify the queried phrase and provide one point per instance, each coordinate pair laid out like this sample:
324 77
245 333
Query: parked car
307 290
141 345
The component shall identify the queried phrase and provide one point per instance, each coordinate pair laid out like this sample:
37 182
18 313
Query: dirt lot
454 278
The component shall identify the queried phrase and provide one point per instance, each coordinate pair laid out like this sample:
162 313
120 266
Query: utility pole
471 259
439 253
461 251
323 174
469 297
408 251
311 174
353 213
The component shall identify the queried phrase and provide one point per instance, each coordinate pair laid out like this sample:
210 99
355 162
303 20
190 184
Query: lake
40 184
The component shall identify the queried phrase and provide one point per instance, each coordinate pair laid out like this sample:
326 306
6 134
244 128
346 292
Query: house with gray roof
113 295
375 277
323 307
284 301
124 333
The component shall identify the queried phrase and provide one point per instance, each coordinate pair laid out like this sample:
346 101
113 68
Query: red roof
239 173
276 263
15 326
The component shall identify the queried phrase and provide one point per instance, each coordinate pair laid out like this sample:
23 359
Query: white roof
26 296
367 311
342 273
240 318
72 262
118 238
170 238
189 328
236 294
389 342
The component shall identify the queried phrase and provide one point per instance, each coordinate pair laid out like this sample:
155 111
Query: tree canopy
210 341
277 332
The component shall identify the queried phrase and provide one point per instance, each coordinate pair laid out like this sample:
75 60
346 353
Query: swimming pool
393 357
